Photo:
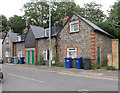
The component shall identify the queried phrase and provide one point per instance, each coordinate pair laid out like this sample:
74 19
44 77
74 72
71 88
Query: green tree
114 18
17 23
3 23
93 12
112 23
62 9
36 12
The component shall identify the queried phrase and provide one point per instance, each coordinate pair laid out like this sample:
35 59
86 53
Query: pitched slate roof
37 31
95 27
23 36
56 29
13 36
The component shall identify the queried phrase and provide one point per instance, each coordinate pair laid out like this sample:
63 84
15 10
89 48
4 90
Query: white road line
26 78
82 90
36 80
114 79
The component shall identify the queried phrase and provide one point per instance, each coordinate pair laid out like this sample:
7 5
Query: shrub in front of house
41 61
58 65
104 64
56 58
95 66
110 68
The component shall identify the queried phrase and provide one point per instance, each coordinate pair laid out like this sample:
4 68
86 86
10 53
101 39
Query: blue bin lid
78 58
67 57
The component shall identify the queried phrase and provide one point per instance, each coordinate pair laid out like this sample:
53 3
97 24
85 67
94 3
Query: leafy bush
41 60
95 66
58 65
110 68
56 58
104 64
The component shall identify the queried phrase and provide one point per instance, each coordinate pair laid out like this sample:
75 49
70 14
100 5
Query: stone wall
105 44
20 47
43 45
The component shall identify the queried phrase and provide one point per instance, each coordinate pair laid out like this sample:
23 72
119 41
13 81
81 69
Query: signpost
49 33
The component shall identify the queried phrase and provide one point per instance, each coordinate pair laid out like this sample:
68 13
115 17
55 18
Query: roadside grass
95 66
57 65
112 68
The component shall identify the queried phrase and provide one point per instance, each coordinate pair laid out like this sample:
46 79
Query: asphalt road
29 79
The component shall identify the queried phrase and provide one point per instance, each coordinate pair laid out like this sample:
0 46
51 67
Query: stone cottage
1 39
37 42
81 38
13 45
8 44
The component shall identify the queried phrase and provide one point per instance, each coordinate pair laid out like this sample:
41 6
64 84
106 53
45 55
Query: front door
119 55
99 55
28 57
32 57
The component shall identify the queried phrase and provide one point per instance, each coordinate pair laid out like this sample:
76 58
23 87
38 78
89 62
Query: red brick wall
36 51
92 47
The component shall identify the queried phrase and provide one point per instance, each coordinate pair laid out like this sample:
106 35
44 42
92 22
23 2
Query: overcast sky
12 7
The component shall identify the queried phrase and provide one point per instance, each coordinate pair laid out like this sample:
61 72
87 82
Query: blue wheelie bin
78 62
67 62
21 60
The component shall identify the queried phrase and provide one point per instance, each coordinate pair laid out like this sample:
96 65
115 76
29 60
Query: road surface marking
83 90
55 85
26 78
89 76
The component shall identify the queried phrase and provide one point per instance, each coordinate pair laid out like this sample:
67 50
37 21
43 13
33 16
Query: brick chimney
25 30
65 19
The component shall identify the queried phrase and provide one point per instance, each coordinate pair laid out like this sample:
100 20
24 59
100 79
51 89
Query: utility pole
49 33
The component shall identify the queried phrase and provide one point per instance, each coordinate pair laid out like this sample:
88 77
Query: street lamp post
49 33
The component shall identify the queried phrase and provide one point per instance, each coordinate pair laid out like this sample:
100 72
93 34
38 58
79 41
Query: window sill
74 32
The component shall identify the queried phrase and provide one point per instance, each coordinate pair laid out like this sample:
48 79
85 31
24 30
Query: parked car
1 74
1 60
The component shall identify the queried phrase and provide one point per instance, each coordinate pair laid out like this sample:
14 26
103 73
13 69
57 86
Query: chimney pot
65 19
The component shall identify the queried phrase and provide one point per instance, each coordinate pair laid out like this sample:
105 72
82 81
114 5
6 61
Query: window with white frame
45 54
19 53
74 26
6 53
19 38
71 52
47 32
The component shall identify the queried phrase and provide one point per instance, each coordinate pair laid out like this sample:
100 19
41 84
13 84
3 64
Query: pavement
23 77
98 73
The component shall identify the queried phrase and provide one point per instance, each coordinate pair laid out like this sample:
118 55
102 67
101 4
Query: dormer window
47 32
74 26
19 38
